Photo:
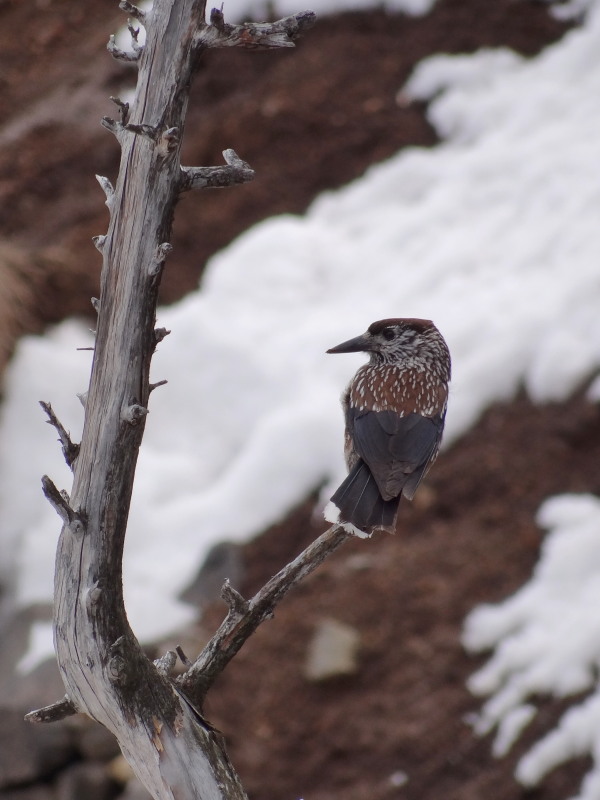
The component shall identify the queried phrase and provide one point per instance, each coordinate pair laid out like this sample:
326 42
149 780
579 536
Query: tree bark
172 749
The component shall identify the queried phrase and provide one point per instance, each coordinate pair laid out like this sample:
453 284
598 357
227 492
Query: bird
394 409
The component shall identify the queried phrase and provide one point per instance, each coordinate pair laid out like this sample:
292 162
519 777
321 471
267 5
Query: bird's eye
388 333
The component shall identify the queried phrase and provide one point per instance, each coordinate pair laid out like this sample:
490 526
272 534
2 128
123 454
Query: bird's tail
359 503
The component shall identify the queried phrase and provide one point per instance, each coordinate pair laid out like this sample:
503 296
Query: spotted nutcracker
394 408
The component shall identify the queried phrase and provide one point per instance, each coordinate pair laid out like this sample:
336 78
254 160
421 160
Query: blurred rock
222 562
332 652
93 741
29 793
39 687
135 791
85 781
30 752
119 770
24 273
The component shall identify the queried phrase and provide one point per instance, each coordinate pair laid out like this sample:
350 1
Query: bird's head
399 341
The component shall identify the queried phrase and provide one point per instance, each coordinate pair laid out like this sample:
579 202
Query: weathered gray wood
245 616
69 448
52 713
174 752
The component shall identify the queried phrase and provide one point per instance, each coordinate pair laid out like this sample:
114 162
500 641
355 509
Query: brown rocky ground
307 120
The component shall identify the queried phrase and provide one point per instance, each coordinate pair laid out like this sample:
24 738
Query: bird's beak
359 344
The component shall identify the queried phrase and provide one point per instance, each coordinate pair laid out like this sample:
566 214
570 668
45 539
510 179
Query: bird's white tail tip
332 514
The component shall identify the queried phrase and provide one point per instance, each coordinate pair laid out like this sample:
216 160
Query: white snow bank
546 641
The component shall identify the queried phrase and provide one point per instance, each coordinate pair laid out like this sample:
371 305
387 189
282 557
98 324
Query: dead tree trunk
172 749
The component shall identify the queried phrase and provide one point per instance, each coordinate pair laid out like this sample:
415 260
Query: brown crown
419 325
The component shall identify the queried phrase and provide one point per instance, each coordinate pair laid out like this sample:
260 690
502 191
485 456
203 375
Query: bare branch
169 141
236 171
254 36
134 33
166 664
134 11
69 448
99 242
159 335
149 131
107 188
52 713
134 413
123 108
157 262
182 656
236 602
116 128
58 500
244 618
122 55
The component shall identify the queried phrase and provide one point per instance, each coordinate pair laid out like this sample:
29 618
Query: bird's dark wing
398 450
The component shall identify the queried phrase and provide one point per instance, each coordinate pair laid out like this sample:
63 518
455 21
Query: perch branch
244 617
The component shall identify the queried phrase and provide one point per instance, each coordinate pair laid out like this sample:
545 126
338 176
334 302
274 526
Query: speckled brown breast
387 387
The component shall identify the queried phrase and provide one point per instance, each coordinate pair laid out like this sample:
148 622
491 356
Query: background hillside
307 120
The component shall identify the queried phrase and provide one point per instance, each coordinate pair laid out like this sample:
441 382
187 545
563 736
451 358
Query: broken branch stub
254 35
